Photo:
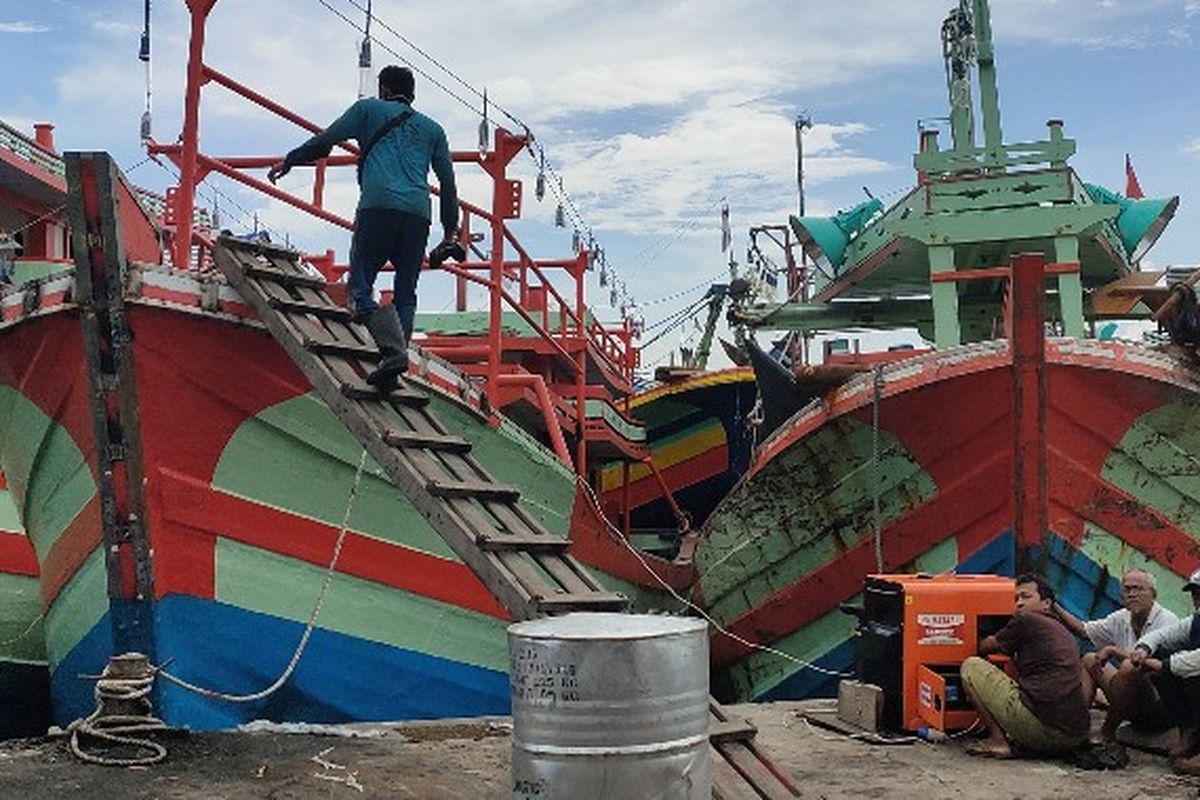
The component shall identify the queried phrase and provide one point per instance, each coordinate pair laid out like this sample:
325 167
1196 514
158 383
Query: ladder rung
365 352
364 391
501 541
733 730
591 601
285 278
473 489
412 439
300 307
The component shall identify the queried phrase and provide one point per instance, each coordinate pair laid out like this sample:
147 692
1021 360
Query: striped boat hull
24 678
795 539
697 434
248 476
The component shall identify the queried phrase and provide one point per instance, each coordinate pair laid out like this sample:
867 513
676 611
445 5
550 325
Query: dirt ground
470 760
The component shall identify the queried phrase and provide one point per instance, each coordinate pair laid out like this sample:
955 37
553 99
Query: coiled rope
111 729
121 691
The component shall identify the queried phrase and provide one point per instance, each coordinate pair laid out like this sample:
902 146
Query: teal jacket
396 172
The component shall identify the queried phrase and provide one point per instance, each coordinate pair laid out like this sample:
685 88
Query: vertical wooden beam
94 209
945 299
1070 286
1029 404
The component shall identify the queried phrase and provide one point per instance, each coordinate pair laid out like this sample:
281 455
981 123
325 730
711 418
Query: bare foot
1105 735
1186 766
1189 743
989 749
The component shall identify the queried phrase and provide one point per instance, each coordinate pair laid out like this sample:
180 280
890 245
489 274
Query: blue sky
651 111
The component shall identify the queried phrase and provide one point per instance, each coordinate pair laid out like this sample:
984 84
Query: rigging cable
564 199
616 533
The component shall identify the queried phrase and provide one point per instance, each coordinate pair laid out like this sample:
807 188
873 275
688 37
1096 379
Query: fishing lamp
1140 222
825 239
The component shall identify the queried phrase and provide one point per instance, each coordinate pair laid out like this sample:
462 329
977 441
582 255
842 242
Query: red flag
1133 189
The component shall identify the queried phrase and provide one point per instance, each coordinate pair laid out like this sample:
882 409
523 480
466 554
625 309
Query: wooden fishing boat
1000 450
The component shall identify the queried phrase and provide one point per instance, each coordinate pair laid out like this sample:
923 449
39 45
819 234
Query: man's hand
278 171
1138 656
1151 665
1105 653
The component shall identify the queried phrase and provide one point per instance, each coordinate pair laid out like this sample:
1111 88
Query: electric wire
613 530
565 201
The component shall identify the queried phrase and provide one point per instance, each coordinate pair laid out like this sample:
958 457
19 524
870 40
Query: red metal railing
558 320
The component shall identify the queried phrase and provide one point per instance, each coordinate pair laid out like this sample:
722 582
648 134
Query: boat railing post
185 198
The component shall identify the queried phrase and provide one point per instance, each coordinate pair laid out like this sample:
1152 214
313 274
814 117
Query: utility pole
803 123
798 282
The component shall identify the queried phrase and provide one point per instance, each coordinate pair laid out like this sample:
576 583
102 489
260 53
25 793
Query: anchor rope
26 632
308 629
114 729
612 529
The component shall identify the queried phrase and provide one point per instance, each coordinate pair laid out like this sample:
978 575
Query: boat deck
470 758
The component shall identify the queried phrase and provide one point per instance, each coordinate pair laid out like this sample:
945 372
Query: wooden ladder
527 568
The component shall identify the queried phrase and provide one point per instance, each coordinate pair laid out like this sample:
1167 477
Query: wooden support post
945 299
1029 404
1070 286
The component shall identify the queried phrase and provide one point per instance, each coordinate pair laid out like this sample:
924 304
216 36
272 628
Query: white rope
308 629
114 729
692 606
25 632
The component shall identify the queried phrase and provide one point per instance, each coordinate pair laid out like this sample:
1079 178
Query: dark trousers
1180 699
382 235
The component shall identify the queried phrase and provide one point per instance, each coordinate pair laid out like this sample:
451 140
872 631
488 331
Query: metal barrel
610 706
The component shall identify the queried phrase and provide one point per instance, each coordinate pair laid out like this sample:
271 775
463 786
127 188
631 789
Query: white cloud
1193 147
22 27
651 111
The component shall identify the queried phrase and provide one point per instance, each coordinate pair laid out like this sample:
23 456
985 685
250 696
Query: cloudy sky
650 111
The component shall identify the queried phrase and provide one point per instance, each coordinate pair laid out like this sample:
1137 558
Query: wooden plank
344 349
299 307
360 390
472 489
732 730
437 442
728 784
754 772
508 541
284 278
589 601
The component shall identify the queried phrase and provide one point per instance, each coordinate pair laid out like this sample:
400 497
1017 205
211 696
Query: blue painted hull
339 678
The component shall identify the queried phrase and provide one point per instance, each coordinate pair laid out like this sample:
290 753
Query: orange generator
914 633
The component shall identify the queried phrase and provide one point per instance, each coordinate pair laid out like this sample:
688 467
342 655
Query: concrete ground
470 759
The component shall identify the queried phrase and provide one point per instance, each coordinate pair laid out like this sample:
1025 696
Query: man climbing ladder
398 146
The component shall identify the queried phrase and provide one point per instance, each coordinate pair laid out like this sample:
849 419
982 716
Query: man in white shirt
1114 638
1163 674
